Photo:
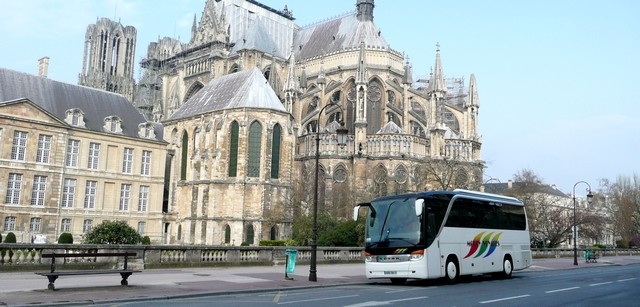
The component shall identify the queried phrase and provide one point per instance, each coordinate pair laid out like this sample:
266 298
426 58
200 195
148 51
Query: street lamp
341 140
575 230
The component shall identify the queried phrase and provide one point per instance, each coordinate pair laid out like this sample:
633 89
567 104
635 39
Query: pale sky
557 80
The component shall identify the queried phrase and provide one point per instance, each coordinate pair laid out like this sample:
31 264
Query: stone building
72 157
404 135
109 57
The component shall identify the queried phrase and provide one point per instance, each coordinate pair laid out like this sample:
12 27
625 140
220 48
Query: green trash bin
292 254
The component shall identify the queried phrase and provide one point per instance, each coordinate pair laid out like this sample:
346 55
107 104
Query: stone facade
402 135
67 165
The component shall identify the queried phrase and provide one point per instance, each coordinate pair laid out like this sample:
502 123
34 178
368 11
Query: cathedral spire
408 73
474 101
361 74
436 83
290 84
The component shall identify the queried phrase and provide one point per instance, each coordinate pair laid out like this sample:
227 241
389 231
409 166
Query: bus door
433 216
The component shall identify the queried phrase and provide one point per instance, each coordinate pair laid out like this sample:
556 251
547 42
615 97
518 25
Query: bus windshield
393 223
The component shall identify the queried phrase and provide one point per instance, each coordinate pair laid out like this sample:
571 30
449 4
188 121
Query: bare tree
449 174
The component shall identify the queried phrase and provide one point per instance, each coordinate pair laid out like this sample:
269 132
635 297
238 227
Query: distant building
72 157
109 57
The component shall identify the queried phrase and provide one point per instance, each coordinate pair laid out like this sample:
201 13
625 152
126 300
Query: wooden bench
52 275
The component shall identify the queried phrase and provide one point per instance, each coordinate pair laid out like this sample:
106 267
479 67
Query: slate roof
343 32
502 188
57 97
257 38
244 89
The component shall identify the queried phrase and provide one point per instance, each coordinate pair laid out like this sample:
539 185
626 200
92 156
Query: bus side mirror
356 210
419 203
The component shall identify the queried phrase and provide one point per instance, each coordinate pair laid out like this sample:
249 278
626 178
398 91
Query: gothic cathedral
252 100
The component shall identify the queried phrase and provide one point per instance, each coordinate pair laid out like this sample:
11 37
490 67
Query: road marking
504 299
318 299
602 283
565 289
276 298
628 279
380 303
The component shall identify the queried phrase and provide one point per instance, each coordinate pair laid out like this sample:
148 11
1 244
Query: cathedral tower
109 53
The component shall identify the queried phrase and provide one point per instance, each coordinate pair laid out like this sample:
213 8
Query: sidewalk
26 288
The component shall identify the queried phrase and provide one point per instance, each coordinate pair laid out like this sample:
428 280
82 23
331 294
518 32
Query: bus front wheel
507 267
452 272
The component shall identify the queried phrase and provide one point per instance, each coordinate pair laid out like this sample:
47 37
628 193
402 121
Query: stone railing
16 257
27 256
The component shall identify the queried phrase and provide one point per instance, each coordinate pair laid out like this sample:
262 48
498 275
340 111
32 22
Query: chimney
43 66
509 184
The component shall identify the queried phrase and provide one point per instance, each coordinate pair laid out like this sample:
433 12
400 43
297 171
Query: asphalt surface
29 289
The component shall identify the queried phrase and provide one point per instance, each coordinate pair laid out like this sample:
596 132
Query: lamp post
341 141
575 230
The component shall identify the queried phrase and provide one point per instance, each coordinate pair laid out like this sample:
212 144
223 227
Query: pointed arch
375 102
250 236
273 233
401 179
183 156
276 140
227 234
194 88
342 196
254 149
380 180
233 149
234 68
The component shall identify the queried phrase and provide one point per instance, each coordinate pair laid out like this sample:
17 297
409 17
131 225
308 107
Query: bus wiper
402 239
386 215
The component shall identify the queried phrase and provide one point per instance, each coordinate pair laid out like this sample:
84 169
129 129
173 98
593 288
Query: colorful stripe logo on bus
483 244
399 251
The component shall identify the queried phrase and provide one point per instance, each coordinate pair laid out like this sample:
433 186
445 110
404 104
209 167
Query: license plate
390 272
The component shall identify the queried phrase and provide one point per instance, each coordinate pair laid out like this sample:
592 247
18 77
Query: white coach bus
444 234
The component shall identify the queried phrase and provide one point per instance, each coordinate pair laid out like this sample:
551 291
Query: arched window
227 234
255 140
179 232
233 150
185 149
250 235
273 235
275 151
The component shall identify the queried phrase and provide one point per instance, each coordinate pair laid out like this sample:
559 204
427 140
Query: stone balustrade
17 257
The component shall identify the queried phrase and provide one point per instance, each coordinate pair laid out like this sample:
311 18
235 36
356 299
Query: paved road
27 288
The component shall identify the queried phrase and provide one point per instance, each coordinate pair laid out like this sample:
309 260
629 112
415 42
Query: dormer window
112 124
75 117
146 130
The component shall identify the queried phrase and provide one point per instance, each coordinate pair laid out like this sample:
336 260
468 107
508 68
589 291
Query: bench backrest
54 255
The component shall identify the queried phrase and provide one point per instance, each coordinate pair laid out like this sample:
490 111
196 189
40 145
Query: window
65 225
94 156
255 140
145 168
73 148
125 195
87 225
141 227
227 234
10 223
44 148
14 186
127 162
19 145
275 151
90 193
68 193
250 234
143 198
233 150
184 158
34 225
39 188
75 117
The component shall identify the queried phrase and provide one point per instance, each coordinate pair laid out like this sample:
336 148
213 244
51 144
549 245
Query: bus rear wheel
452 272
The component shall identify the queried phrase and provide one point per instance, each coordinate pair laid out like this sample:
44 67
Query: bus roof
461 192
